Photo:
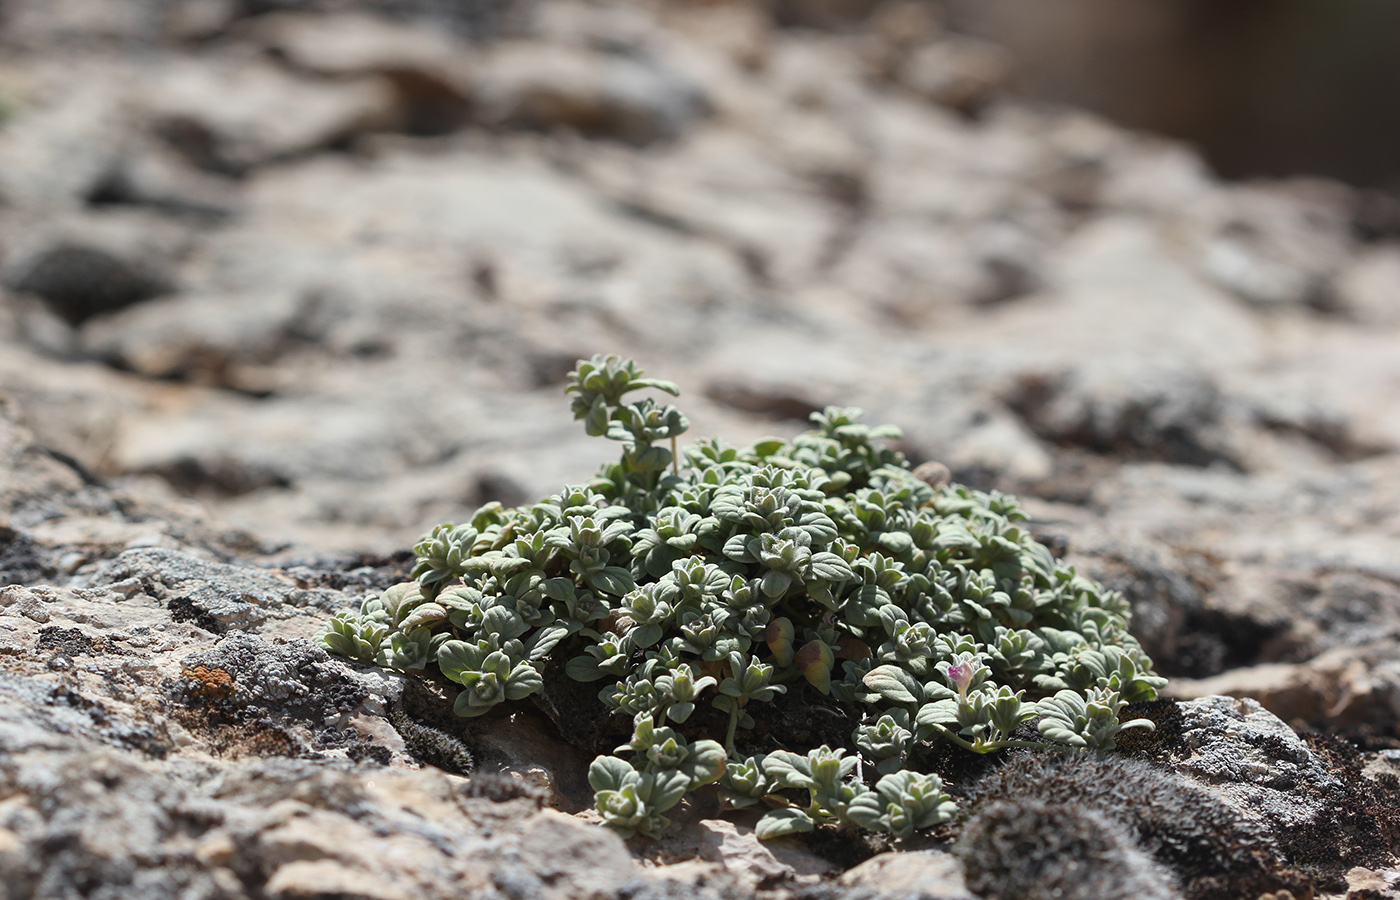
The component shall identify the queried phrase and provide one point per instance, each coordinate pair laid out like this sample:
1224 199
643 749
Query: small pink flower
960 675
961 671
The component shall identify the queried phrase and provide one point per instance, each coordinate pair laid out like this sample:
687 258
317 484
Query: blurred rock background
312 273
285 283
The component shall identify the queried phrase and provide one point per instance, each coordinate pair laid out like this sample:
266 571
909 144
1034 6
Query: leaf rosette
699 587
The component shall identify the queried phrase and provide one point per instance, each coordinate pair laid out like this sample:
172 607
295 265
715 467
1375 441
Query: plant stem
994 745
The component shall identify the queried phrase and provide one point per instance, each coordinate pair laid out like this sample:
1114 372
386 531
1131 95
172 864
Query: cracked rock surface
283 285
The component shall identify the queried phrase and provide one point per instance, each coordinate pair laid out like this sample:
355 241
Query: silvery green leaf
506 566
650 459
669 387
894 684
830 567
1060 733
544 640
560 589
868 811
608 773
426 614
782 822
460 597
863 607
896 542
409 650
595 421
503 622
939 712
612 580
584 669
663 790
788 769
738 548
705 763
458 657
954 535
524 680
400 599
776 583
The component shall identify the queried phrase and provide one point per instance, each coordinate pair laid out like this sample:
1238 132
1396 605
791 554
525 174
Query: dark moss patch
183 609
22 561
70 642
1362 827
1212 849
433 746
843 848
576 712
502 788
354 744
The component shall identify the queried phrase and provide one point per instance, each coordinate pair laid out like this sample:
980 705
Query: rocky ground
285 284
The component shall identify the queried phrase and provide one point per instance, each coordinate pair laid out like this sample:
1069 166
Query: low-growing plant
721 577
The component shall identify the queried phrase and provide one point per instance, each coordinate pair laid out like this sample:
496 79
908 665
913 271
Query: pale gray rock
911 875
234 114
83 267
134 24
1128 409
152 176
296 680
207 339
40 484
625 96
961 73
216 596
19 601
1247 757
1277 248
405 241
1370 289
1349 686
432 74
359 43
62 143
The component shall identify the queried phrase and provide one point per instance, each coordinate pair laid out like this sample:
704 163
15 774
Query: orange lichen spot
212 681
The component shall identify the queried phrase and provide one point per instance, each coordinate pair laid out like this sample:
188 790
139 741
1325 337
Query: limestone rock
1368 290
432 75
928 874
211 339
357 245
958 72
1246 756
631 98
239 114
215 596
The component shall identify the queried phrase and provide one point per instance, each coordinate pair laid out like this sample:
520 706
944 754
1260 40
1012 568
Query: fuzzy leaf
608 773
781 822
830 567
612 580
894 684
666 789
524 680
585 669
788 769
544 640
